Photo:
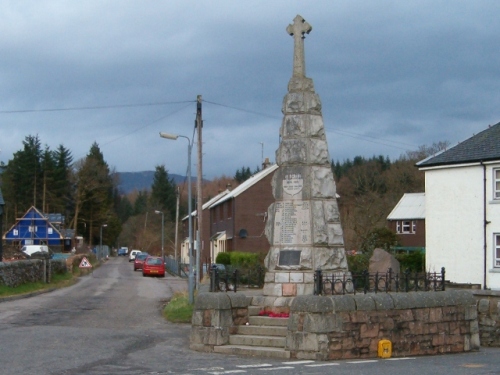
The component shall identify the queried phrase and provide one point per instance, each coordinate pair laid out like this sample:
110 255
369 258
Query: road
110 323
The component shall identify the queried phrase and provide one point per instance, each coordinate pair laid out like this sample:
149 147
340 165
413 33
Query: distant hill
130 181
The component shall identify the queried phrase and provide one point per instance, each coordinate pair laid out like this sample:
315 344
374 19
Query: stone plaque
293 183
292 223
289 258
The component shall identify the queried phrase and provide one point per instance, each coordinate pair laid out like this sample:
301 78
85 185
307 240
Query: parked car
153 266
122 252
132 255
139 260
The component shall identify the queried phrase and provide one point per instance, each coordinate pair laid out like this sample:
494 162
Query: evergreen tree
163 192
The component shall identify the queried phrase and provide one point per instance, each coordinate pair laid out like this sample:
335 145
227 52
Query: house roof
410 206
247 184
209 203
484 146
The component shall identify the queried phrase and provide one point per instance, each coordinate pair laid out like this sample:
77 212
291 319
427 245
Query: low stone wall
215 316
351 326
488 308
19 272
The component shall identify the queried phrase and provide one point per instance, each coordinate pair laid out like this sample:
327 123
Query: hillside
130 181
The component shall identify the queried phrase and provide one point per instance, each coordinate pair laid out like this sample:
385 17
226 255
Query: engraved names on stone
292 223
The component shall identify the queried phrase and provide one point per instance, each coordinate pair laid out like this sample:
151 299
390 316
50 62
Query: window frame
496 183
496 252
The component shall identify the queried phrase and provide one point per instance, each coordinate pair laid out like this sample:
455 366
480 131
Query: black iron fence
378 282
227 279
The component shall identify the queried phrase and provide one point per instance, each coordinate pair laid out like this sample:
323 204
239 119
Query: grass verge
58 281
178 310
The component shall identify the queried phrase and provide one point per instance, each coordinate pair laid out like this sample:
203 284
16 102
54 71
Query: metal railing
378 282
232 280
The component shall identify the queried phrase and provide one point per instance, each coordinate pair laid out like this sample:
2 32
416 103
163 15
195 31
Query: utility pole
177 222
199 210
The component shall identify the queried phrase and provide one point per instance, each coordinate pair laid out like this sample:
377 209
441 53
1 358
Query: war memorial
305 235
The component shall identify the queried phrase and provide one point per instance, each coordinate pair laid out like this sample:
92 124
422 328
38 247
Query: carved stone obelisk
304 227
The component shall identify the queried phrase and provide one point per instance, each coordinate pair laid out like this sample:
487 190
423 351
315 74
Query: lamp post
190 219
2 204
162 226
100 241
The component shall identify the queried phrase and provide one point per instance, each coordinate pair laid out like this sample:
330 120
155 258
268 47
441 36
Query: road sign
85 263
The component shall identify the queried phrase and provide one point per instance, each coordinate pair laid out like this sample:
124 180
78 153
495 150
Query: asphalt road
110 323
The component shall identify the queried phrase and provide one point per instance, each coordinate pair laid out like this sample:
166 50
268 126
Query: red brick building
407 220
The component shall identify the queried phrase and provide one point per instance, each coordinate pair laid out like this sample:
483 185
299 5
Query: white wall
493 216
455 224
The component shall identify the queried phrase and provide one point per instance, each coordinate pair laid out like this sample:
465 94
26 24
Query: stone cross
298 30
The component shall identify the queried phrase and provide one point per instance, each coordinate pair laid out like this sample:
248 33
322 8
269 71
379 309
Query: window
406 226
496 177
497 250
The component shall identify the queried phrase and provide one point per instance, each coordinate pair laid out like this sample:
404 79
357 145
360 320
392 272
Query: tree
94 189
242 174
163 192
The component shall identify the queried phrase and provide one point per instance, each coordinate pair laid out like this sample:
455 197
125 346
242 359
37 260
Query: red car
139 260
153 266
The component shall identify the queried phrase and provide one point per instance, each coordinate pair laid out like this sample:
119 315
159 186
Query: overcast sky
391 75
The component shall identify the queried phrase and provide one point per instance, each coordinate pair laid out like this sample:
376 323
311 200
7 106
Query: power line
96 107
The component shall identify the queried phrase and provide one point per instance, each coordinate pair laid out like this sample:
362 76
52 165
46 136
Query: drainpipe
485 223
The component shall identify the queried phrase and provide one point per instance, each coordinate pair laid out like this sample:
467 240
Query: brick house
407 220
238 219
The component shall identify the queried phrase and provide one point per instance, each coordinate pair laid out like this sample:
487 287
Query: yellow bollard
384 349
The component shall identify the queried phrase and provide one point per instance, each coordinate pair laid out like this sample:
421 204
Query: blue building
35 228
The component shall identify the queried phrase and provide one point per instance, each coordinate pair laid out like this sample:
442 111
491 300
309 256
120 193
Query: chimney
266 163
228 186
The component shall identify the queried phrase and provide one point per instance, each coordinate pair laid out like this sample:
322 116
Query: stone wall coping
381 301
486 293
207 301
239 299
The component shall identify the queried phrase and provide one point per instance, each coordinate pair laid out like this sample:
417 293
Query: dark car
153 266
139 260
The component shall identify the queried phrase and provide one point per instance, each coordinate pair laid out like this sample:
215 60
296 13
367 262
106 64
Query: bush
414 261
223 258
358 263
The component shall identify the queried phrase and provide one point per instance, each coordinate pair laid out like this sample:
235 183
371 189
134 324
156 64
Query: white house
462 219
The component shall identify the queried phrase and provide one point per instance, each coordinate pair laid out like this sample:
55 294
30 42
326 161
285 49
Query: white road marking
322 364
368 361
255 366
400 359
276 368
227 372
297 362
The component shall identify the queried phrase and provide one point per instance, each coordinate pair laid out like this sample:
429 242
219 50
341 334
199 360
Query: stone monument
304 227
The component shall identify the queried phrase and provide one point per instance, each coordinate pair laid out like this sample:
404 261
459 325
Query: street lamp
190 220
2 204
100 242
162 226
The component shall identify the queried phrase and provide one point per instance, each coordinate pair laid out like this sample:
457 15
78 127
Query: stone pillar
304 227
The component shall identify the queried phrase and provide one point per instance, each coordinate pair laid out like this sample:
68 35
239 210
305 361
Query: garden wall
488 308
19 272
351 326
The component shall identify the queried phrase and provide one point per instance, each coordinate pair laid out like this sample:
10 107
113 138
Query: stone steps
264 337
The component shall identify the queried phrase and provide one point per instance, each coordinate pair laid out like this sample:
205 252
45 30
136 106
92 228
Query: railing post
236 279
388 287
213 275
442 278
407 280
366 285
318 282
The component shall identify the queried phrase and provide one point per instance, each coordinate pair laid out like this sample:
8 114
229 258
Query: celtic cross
298 30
